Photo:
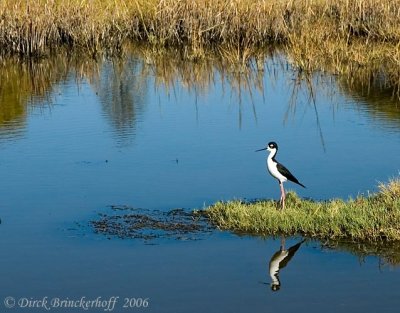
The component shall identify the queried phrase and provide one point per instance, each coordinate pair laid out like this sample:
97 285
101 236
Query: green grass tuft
367 218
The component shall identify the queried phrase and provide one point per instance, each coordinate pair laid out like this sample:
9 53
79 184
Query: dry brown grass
31 26
360 39
355 38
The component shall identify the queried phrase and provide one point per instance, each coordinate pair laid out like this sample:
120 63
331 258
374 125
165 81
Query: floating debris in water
152 224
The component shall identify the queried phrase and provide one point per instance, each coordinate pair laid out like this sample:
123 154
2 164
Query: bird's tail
299 183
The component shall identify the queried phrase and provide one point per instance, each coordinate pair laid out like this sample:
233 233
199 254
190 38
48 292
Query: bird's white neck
272 154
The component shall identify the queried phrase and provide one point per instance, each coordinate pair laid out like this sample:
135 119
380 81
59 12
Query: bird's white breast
273 170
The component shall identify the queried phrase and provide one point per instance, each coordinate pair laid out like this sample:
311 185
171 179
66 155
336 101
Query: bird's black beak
261 149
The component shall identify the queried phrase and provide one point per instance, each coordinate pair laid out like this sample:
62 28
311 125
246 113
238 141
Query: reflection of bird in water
279 260
278 171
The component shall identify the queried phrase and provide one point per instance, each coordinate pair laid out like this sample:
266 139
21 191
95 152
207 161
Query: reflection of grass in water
27 82
173 66
388 253
370 218
377 98
24 82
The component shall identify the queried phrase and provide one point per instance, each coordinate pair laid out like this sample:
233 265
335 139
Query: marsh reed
357 38
30 27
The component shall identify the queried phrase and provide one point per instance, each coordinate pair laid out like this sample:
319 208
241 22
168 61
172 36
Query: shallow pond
79 137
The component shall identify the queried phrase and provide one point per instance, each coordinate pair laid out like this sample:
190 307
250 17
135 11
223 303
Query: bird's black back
285 172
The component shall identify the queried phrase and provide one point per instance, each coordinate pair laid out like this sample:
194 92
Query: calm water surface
76 138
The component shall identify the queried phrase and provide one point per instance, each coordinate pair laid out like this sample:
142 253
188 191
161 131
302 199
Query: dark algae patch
126 222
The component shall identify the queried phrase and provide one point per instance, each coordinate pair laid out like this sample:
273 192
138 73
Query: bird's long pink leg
283 196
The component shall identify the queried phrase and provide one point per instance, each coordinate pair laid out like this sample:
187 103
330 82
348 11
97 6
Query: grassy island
373 217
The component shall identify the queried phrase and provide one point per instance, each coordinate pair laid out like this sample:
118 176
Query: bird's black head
273 145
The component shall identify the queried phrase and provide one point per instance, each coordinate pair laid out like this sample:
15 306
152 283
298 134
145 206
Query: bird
278 171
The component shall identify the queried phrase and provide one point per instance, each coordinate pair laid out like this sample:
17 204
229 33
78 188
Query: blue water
134 141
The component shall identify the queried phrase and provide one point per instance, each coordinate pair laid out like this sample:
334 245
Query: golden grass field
357 38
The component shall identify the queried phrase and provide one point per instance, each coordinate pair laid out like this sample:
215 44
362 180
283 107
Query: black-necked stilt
278 171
